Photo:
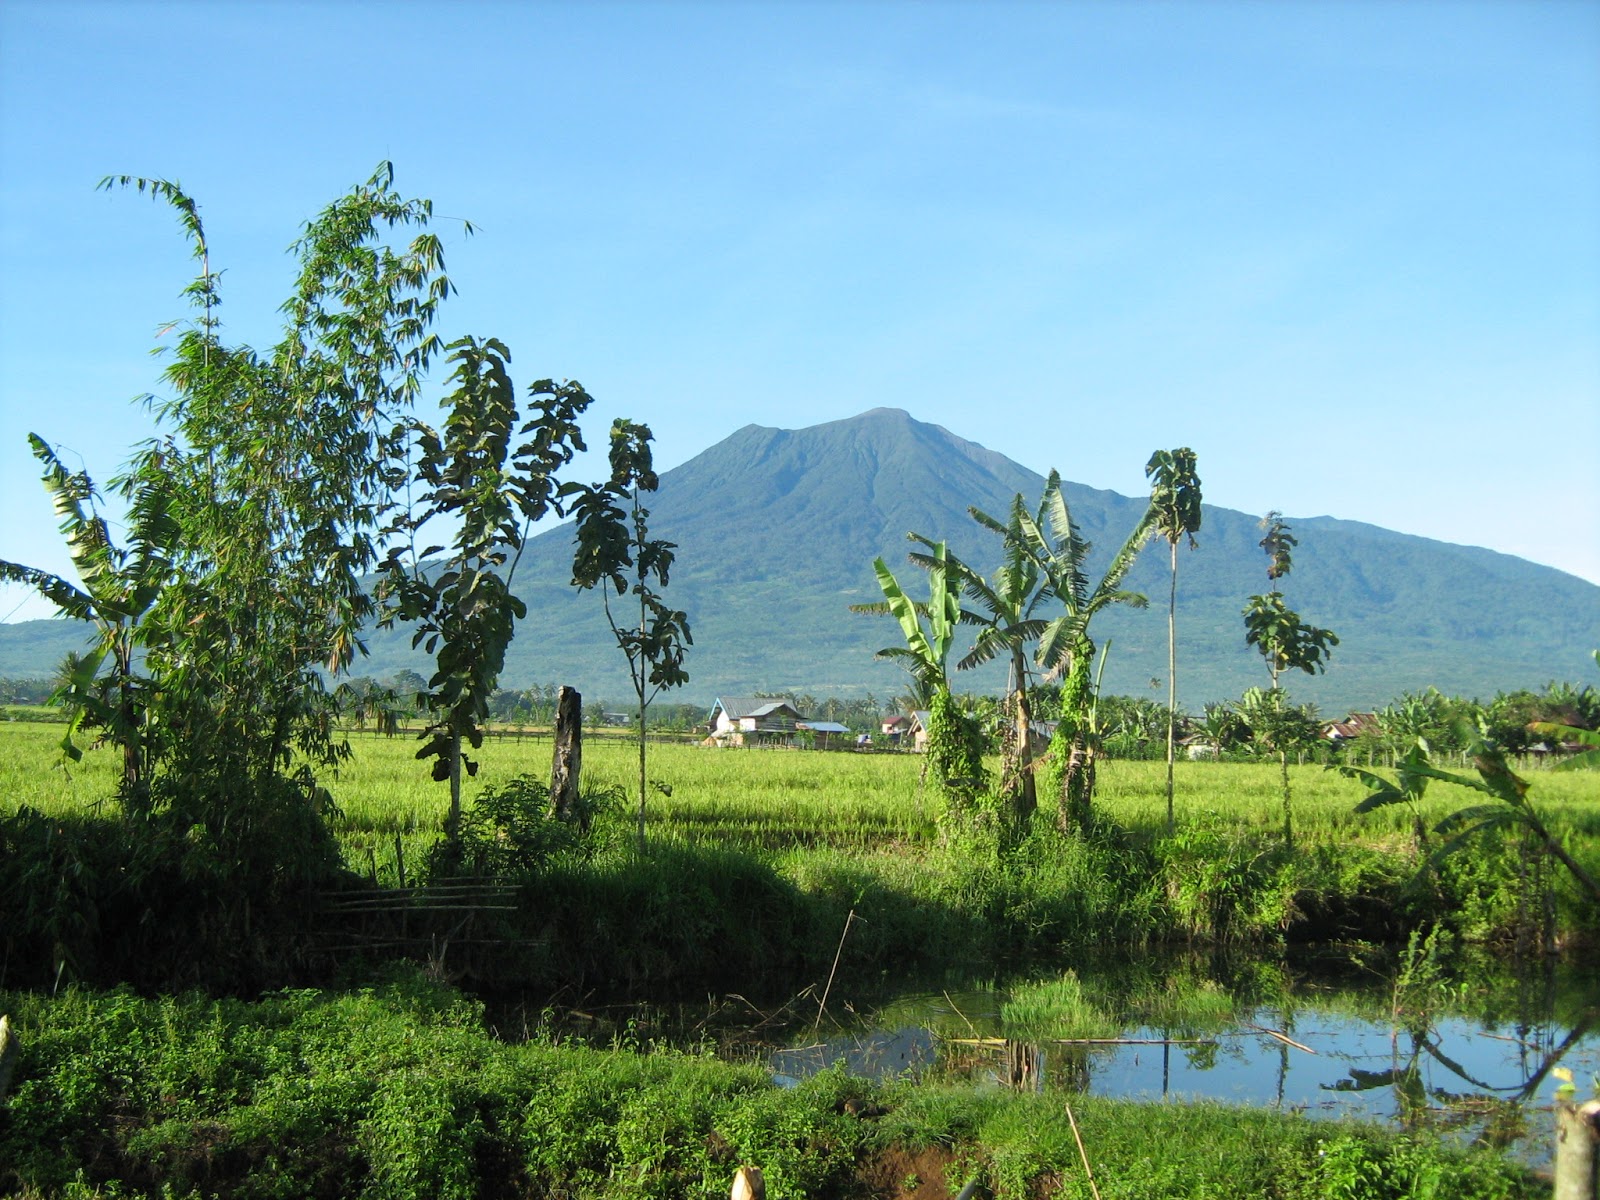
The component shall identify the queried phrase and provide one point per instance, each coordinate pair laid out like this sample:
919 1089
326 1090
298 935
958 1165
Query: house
754 721
824 733
895 727
1350 728
917 730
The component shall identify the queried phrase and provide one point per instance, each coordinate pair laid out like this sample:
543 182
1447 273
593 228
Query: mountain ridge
777 529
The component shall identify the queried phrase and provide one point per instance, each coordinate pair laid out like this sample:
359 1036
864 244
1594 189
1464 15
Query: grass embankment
401 1092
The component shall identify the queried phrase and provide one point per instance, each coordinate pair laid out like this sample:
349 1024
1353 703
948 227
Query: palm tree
1175 497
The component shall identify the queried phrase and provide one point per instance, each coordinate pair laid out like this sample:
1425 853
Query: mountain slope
777 529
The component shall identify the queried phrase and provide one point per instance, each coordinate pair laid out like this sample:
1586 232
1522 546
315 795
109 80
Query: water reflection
1461 1046
1470 1059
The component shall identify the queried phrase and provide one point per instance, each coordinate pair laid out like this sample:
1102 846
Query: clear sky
1348 252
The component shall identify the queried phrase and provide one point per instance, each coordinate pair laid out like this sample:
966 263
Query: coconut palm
1175 497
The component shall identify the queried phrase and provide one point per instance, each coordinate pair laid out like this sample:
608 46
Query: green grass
817 835
780 800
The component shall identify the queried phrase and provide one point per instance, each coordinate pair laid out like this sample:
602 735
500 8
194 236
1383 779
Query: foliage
119 588
926 651
464 612
614 548
1510 809
510 830
401 1092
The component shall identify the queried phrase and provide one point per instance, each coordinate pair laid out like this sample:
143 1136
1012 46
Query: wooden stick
1282 1037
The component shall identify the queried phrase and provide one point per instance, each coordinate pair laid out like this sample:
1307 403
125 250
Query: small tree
1286 642
614 547
464 612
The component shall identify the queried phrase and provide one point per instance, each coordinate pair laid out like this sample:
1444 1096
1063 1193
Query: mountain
777 529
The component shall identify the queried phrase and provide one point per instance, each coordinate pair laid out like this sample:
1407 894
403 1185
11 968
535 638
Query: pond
1421 1039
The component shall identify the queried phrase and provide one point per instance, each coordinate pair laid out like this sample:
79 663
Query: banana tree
1004 612
1065 650
1175 497
117 589
1507 808
953 754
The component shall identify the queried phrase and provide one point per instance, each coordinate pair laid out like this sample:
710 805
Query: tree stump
9 1049
748 1185
1577 1131
567 761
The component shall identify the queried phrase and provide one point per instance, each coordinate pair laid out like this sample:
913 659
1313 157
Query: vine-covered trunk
1076 814
1020 785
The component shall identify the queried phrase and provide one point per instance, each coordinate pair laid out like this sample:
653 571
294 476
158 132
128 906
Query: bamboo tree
1175 497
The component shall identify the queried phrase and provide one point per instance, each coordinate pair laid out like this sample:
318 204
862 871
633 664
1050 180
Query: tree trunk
566 762
452 824
1288 823
1172 680
1026 797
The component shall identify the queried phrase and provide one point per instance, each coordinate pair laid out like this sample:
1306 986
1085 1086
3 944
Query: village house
762 721
754 721
1352 727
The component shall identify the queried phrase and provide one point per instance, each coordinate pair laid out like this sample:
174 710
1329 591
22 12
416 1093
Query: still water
1468 1051
1421 1039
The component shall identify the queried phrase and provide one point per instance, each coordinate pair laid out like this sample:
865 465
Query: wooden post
1577 1130
9 1049
567 761
748 1185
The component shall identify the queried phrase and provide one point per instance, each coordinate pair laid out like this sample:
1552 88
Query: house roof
751 706
825 727
1352 726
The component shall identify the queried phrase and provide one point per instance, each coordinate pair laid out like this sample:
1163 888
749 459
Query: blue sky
1348 252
